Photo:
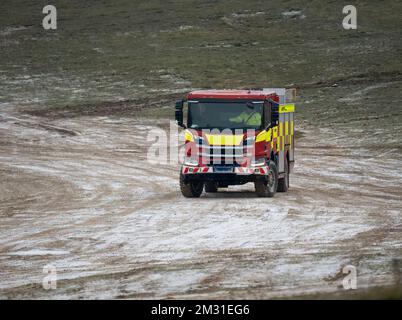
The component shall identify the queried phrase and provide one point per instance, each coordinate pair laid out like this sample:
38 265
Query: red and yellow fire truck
233 137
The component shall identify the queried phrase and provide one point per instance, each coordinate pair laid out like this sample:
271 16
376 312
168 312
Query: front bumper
238 171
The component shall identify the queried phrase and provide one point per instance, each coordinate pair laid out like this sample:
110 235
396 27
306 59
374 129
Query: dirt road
77 193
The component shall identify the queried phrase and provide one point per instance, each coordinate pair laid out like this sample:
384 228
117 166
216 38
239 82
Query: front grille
223 155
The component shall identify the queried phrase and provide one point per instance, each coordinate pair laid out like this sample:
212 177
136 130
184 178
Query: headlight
188 136
258 162
191 161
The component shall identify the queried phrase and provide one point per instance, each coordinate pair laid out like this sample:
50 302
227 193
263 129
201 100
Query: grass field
110 51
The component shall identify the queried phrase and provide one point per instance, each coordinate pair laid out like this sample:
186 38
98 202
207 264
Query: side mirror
179 113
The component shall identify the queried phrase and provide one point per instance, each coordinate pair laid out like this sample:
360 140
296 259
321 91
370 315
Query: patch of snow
293 13
38 252
9 30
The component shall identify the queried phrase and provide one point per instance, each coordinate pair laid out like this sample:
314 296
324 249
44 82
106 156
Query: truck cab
233 137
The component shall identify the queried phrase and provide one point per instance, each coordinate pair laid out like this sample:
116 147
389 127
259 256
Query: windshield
225 115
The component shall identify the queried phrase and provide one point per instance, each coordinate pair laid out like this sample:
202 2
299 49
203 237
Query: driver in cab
248 117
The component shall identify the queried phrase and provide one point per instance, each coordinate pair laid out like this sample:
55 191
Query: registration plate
223 169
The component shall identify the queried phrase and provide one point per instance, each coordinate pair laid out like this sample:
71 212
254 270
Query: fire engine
233 137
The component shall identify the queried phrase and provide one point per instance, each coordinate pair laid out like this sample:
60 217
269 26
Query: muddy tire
211 187
283 183
266 186
192 189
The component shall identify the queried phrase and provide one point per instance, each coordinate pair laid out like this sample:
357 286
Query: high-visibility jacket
247 118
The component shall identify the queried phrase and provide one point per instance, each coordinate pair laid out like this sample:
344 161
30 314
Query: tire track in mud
102 193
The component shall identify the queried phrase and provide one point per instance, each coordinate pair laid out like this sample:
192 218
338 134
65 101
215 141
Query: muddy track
78 193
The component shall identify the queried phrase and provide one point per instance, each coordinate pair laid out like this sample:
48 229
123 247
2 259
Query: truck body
233 137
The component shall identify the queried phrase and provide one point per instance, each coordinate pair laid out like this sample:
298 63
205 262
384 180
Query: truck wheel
211 187
266 186
192 189
283 183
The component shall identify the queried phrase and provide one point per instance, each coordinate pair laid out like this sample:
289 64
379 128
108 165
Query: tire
192 189
266 186
211 187
283 183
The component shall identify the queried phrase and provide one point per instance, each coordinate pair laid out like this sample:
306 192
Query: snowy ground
77 193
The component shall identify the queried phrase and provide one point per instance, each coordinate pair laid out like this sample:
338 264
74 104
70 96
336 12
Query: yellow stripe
262 136
275 133
284 108
224 139
292 127
287 128
269 135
